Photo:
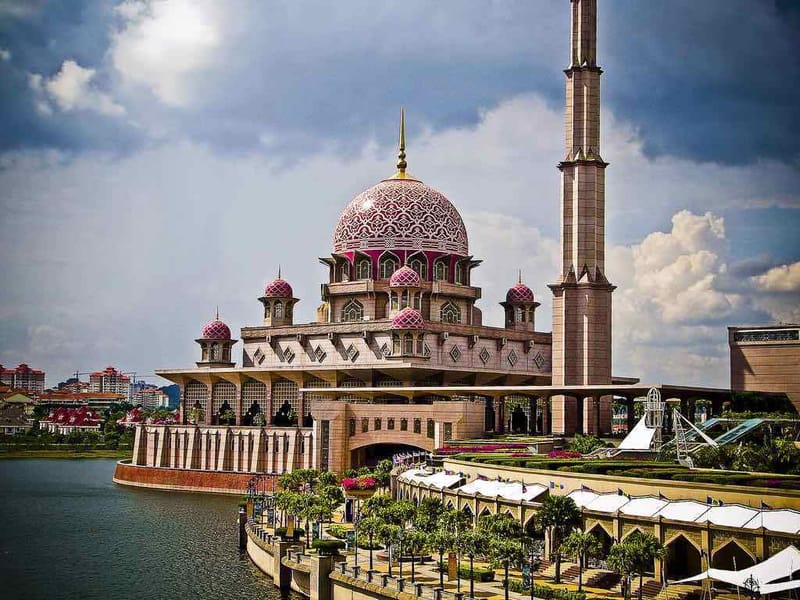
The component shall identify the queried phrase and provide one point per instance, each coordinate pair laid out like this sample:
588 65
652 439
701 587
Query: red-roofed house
66 420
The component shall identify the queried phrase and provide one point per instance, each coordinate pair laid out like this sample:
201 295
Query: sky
159 159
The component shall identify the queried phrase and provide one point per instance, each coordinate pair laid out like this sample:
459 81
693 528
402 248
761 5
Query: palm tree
506 552
473 543
582 546
441 541
646 549
559 515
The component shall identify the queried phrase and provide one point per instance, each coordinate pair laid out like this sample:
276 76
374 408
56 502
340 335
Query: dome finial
279 271
401 155
519 279
217 317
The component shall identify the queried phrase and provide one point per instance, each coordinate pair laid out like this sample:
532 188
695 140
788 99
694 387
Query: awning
780 566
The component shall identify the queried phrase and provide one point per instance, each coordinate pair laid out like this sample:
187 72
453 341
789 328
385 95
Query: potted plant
359 487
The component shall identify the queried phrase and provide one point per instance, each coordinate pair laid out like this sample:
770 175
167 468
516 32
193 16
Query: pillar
238 404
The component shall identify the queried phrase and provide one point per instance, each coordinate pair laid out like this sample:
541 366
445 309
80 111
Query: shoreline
76 453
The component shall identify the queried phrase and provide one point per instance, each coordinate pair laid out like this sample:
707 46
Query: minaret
582 294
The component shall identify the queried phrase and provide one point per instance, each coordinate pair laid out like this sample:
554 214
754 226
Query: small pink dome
405 276
278 289
216 330
408 318
520 293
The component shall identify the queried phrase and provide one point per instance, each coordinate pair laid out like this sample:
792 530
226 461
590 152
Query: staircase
570 572
680 591
601 579
650 588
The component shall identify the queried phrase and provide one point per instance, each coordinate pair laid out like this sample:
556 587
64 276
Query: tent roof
732 515
784 520
683 510
778 566
512 490
644 506
582 497
607 503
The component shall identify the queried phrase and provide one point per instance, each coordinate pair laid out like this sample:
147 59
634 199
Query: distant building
110 380
13 397
150 396
766 359
66 420
73 384
95 400
23 377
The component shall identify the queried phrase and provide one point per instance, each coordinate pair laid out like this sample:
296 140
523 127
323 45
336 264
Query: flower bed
564 454
480 448
352 484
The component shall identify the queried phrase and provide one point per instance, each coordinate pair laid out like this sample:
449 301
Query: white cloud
169 223
165 46
72 89
785 278
5 54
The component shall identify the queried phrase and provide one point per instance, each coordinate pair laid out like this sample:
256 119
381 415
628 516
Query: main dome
401 214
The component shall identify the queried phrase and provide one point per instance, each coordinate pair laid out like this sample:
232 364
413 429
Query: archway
602 536
372 454
683 559
732 557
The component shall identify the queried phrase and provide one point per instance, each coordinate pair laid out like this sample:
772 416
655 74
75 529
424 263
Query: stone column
238 404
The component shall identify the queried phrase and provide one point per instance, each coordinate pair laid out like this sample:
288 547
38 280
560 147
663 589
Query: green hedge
478 573
298 532
543 592
337 531
327 547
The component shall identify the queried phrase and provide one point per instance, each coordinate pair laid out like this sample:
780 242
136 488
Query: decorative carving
484 355
455 353
512 358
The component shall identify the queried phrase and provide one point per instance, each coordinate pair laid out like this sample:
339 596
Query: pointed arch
353 310
419 262
441 269
732 556
363 267
388 263
449 313
683 558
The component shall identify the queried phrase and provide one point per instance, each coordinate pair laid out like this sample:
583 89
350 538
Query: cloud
785 278
158 231
71 89
166 46
5 55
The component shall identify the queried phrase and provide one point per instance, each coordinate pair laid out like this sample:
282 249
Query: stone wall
182 480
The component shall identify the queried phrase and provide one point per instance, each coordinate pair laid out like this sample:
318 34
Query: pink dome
520 293
216 330
408 318
405 276
401 214
278 289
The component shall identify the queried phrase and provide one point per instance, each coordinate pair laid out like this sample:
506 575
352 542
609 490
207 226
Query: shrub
327 547
544 592
298 532
337 531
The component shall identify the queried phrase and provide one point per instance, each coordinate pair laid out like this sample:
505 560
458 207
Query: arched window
408 344
460 273
396 344
267 309
353 311
215 351
450 313
420 344
519 315
393 296
418 301
345 271
440 270
388 265
404 299
278 309
420 265
363 269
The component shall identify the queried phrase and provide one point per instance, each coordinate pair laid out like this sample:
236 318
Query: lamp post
356 518
400 538
531 560
752 586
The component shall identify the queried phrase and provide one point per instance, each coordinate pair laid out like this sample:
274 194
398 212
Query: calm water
67 531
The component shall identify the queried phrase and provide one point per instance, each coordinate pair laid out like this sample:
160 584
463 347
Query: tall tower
582 294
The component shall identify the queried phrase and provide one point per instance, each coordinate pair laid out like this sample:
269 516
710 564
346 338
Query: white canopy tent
640 437
780 566
510 490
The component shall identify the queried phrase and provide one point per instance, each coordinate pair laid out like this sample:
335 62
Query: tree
376 505
456 523
585 443
473 543
400 513
414 542
506 553
646 549
388 535
328 478
501 526
559 515
332 497
426 517
621 558
371 526
441 541
582 546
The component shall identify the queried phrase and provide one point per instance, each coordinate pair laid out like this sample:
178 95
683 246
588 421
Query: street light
400 538
751 585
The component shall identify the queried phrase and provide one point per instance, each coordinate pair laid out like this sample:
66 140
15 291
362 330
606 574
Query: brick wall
182 479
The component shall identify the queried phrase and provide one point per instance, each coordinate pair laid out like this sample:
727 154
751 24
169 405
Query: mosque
398 357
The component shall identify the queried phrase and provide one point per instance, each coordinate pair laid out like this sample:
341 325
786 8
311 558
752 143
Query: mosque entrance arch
683 559
732 557
603 537
371 454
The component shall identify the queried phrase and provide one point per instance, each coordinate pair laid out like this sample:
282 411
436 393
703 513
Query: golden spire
217 317
519 280
401 154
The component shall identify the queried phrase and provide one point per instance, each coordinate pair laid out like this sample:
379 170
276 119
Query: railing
399 584
260 534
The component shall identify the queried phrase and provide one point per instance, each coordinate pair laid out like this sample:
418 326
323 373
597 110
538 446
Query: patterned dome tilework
520 293
401 213
278 289
408 318
405 277
216 330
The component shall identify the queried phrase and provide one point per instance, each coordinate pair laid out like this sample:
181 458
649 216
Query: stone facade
765 359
